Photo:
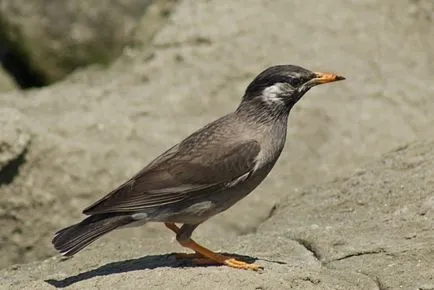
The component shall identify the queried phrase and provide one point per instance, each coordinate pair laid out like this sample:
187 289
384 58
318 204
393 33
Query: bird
206 173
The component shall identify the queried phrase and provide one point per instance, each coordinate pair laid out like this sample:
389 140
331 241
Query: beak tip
324 78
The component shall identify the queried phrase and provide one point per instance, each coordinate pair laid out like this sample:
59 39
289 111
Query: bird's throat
260 111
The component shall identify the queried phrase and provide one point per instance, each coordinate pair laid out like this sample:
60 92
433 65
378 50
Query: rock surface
6 82
99 126
13 141
55 37
370 230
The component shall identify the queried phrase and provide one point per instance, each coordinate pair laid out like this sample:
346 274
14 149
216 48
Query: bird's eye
295 82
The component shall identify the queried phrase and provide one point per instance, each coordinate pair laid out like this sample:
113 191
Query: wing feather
193 167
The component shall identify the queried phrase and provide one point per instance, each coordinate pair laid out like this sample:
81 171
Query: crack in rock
377 281
310 246
356 254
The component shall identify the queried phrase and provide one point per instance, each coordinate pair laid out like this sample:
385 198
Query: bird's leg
183 236
217 258
174 228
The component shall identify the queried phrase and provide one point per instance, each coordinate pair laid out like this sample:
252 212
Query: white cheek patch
273 94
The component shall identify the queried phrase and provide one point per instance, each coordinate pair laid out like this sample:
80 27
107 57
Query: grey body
271 138
207 172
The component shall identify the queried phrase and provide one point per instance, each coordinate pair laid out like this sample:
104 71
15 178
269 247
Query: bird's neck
258 111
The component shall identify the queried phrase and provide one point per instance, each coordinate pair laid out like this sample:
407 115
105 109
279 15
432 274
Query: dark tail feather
74 238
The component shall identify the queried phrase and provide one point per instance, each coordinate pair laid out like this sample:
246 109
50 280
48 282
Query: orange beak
323 78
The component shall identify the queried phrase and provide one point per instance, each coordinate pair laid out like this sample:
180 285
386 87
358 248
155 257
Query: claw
242 265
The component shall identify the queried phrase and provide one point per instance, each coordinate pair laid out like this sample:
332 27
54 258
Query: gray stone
6 81
56 37
364 231
95 129
14 141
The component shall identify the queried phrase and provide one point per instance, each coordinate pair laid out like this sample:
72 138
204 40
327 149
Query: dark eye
295 82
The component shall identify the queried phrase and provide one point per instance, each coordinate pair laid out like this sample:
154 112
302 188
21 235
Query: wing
190 168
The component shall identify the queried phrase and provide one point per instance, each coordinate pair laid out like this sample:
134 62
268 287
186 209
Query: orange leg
209 257
174 228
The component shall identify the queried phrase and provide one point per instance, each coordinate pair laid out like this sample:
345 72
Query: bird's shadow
147 262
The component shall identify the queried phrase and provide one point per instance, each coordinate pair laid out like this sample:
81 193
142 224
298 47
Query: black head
283 85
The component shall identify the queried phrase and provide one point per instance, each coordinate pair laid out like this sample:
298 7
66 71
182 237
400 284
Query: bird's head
280 87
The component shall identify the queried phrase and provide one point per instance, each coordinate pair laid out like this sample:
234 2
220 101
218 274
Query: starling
207 172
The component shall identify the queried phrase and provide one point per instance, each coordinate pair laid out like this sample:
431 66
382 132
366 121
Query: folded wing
181 173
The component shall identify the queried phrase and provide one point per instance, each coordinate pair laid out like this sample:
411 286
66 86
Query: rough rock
6 82
14 142
370 230
14 146
98 127
53 38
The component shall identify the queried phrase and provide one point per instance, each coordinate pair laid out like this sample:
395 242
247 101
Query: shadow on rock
147 262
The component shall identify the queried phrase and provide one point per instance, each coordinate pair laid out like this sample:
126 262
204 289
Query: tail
74 238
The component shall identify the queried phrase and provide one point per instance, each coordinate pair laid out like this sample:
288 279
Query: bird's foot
198 259
228 261
234 263
195 259
187 256
204 256
211 258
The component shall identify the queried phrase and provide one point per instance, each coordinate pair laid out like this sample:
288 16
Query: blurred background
90 91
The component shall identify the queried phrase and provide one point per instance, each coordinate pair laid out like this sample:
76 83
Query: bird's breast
272 141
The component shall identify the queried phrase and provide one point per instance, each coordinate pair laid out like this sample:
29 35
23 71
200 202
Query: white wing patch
181 188
140 216
200 208
238 180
